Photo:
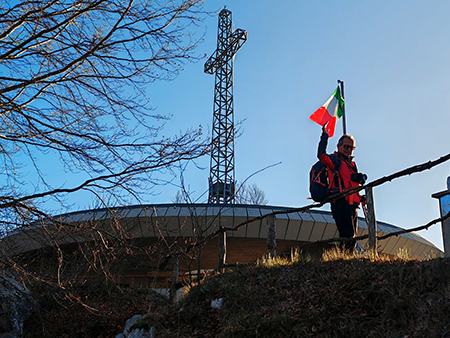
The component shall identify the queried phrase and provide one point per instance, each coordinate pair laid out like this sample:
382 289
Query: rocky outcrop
16 305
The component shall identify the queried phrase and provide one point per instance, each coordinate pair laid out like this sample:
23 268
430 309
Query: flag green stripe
341 105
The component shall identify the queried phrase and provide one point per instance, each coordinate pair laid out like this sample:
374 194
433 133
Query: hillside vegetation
335 296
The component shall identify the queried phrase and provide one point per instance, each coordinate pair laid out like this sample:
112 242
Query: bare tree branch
73 82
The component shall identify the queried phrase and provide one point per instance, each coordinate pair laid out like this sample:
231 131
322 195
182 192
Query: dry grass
340 295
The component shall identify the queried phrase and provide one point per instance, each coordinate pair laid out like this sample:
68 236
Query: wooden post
371 220
271 236
446 236
173 285
222 239
444 206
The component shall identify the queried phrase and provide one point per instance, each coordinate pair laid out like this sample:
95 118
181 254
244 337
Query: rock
217 303
130 322
138 333
135 328
16 305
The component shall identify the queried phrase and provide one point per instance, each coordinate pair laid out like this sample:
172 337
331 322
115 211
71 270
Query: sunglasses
347 147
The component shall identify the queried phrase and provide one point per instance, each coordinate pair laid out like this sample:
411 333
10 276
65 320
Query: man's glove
359 178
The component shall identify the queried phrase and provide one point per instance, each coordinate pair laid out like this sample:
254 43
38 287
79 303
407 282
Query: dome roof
293 228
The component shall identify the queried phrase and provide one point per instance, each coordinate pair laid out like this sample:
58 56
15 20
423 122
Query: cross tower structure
222 179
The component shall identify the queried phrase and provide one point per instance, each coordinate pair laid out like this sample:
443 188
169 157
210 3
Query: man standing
344 210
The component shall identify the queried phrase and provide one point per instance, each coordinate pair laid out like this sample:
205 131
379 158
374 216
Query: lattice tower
222 177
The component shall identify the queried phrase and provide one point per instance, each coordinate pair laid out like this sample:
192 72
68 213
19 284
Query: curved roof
147 221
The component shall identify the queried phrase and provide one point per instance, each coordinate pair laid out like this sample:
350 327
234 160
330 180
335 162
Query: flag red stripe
321 116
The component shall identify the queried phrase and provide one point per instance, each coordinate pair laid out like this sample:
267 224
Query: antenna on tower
222 179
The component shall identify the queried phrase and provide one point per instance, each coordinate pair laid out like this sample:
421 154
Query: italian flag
330 112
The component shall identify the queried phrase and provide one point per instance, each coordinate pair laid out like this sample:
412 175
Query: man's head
346 145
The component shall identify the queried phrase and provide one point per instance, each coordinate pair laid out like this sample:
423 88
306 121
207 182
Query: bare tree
75 117
73 80
178 198
250 194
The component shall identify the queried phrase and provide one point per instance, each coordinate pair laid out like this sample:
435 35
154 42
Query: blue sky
394 58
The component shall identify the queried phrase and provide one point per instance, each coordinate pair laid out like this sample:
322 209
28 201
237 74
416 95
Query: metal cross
222 179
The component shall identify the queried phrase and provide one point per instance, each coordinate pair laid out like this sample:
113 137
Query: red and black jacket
347 168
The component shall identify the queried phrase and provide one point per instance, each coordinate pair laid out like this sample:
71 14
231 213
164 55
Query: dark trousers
346 218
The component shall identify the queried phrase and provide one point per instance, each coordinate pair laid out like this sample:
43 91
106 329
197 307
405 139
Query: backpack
319 184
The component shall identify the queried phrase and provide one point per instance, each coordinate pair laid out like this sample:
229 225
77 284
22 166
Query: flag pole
341 84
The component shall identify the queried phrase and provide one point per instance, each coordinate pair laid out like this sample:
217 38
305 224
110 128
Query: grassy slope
357 297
